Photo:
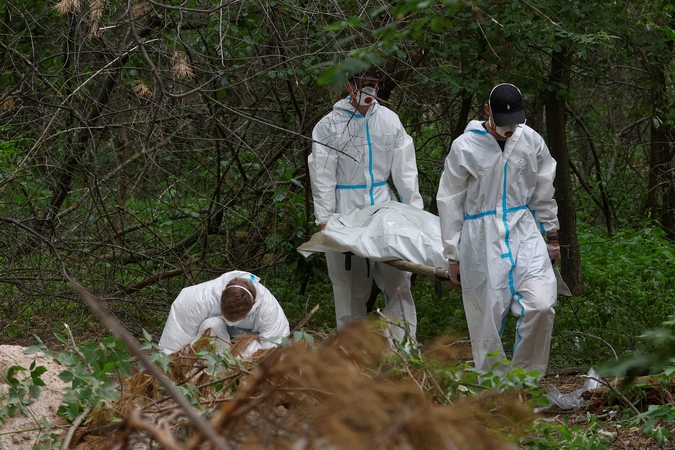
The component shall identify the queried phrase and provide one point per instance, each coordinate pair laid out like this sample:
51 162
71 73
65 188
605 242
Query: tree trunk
661 187
557 142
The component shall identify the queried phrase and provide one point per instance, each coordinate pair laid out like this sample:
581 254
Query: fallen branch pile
348 391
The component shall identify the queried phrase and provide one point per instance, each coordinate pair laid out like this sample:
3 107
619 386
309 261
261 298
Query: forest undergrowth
353 389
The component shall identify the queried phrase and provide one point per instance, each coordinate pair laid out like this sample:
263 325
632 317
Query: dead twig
76 424
161 433
306 319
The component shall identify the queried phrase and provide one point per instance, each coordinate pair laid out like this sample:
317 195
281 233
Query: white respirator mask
233 324
506 129
366 95
511 128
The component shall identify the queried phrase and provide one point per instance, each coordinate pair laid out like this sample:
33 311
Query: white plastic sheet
386 232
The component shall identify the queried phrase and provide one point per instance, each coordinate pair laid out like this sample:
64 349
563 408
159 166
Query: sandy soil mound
23 432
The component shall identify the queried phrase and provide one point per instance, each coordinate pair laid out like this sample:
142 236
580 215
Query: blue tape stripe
370 165
493 212
541 224
359 186
353 113
479 131
479 215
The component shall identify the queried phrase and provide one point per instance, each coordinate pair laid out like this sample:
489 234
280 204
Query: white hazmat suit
197 308
494 206
352 159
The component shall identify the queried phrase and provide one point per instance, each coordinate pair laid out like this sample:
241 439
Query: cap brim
502 120
363 80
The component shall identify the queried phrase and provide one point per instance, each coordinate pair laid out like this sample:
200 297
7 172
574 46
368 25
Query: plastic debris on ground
572 400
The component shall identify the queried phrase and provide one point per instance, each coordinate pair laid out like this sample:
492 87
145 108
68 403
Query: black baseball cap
371 74
506 104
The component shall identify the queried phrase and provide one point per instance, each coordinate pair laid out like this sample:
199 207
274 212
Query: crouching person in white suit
234 303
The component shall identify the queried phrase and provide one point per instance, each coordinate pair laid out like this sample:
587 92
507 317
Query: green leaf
147 336
66 376
14 369
35 390
31 350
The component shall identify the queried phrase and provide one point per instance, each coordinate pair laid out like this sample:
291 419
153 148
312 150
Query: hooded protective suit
494 206
197 308
352 159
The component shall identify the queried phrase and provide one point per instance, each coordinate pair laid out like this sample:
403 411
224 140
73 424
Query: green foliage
630 287
391 29
88 370
657 359
299 336
549 433
437 316
286 281
10 152
22 390
656 354
337 75
447 381
653 422
155 355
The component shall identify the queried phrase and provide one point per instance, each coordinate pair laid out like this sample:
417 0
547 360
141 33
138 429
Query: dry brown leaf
181 68
67 6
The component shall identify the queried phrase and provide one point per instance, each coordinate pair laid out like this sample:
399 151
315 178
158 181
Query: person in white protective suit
234 303
357 148
495 203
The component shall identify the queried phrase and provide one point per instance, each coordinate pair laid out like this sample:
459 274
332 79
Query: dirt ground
618 433
22 432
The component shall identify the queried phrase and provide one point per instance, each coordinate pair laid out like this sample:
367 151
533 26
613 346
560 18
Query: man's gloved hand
453 271
554 255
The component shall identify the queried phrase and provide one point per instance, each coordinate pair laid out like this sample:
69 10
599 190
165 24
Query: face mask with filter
503 130
506 129
233 323
366 95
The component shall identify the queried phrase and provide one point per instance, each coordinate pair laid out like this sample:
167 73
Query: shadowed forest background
149 145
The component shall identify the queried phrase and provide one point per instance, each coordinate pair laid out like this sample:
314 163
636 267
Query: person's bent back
232 304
